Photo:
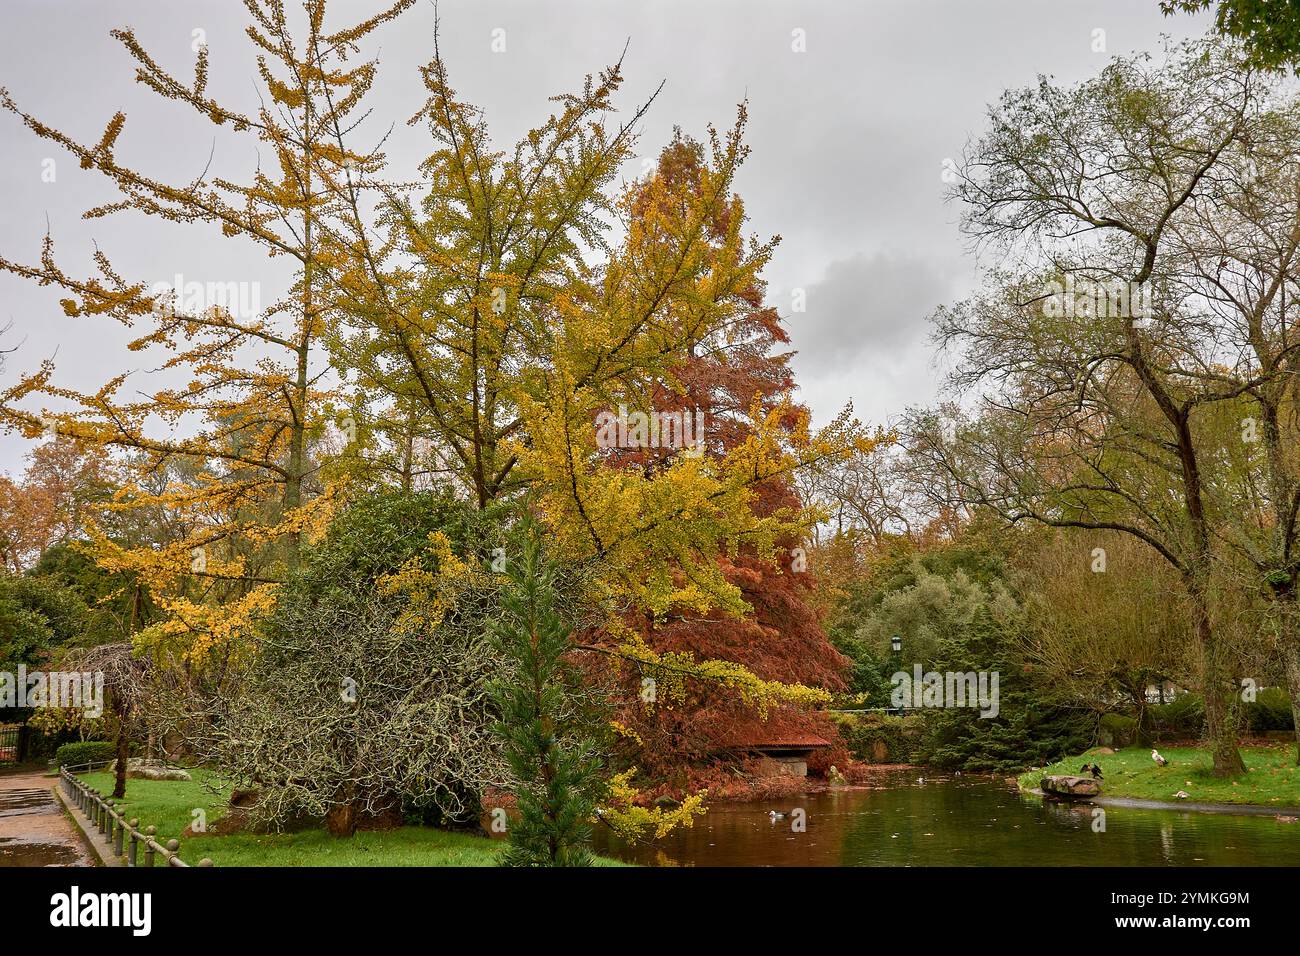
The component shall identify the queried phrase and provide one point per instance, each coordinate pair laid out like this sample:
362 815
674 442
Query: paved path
33 828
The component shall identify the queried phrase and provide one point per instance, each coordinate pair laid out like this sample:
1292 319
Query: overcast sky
849 138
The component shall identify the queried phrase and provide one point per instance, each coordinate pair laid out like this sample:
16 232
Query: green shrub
361 703
1031 728
1181 718
89 751
1271 710
880 738
1118 731
1028 732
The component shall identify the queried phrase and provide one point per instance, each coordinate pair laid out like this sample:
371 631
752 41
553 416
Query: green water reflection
962 821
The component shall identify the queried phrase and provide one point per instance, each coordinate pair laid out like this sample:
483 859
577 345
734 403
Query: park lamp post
896 645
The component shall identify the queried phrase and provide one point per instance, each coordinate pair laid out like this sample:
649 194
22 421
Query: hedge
89 751
880 738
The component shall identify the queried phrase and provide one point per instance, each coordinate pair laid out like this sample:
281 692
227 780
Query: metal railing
124 837
88 765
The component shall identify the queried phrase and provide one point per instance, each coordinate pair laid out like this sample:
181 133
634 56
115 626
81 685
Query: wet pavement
34 831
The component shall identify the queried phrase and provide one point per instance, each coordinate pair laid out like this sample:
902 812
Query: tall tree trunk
1291 660
1216 692
1218 700
123 752
298 430
297 449
1286 593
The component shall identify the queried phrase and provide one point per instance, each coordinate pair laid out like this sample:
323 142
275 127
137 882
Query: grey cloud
866 307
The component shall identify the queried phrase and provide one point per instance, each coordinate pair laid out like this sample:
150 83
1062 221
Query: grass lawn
168 805
1272 777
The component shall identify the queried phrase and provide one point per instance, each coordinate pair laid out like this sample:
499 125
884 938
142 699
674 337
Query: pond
915 818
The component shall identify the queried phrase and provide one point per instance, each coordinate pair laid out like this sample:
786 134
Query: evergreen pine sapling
545 720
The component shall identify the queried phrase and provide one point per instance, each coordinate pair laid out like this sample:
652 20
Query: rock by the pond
1065 785
138 768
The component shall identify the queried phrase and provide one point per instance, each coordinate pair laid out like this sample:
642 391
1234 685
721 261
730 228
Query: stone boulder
1069 787
138 768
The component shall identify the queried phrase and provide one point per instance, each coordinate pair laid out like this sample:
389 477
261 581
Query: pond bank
748 789
1241 808
1271 783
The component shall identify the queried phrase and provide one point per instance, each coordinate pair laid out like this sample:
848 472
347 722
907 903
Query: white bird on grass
1160 761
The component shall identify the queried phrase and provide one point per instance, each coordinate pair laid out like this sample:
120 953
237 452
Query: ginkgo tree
226 454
